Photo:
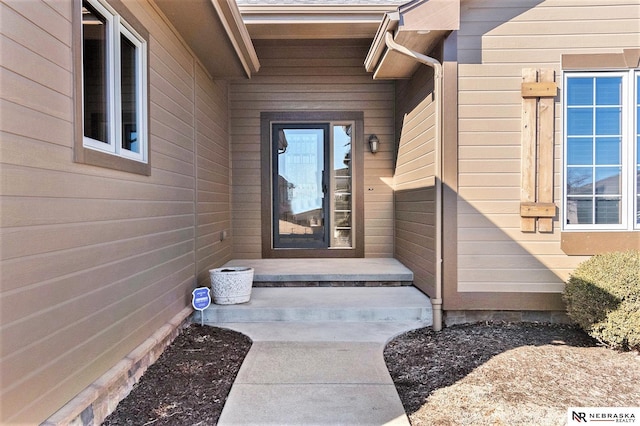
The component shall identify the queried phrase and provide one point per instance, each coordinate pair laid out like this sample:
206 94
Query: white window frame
116 26
629 130
635 144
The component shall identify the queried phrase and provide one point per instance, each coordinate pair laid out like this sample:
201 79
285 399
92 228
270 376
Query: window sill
590 243
109 161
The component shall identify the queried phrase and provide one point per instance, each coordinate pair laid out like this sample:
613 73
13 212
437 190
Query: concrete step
326 272
324 304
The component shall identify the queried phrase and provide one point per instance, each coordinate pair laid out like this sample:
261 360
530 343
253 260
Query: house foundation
469 317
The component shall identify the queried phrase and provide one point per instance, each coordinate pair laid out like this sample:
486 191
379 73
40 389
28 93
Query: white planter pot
231 284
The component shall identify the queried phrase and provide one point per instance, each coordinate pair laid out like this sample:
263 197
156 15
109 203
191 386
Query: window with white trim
602 150
114 84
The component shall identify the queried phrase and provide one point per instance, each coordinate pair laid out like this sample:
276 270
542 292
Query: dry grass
506 374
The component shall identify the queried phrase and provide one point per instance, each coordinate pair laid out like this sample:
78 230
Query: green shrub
603 297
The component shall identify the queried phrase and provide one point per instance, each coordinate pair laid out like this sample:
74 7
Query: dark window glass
129 90
94 77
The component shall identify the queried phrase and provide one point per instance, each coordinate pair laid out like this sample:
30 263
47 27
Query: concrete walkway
322 371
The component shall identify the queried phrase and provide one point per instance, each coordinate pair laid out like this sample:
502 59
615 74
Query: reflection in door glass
300 165
341 187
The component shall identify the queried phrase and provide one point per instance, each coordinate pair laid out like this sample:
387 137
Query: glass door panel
300 185
341 172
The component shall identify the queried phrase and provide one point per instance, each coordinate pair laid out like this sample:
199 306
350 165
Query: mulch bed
480 374
189 383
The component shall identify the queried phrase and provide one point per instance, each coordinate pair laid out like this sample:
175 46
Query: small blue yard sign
201 300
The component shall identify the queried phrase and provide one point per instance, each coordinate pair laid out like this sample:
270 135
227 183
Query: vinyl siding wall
94 260
414 178
213 171
497 39
305 75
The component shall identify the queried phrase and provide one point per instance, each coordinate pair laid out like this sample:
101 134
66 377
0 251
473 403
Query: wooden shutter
536 195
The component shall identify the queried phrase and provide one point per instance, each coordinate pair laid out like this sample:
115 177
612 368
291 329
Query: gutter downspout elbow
436 301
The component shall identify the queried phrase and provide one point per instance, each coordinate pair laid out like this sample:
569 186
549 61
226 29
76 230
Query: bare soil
481 374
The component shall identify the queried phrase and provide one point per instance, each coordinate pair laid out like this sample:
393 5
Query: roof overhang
418 26
214 30
313 21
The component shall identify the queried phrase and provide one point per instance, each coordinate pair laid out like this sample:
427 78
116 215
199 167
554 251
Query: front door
312 184
300 185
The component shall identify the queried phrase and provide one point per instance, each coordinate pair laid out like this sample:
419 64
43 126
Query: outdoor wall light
373 143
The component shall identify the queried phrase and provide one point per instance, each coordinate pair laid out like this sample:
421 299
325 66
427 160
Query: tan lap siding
213 175
95 260
414 240
304 76
414 178
498 38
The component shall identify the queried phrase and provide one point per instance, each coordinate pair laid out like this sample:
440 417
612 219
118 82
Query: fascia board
238 34
378 46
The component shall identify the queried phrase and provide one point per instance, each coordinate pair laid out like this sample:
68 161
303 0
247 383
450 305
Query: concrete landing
323 270
317 355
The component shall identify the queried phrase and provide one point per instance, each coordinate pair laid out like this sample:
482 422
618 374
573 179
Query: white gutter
436 301
389 23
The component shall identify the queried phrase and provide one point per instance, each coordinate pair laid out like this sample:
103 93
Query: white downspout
436 301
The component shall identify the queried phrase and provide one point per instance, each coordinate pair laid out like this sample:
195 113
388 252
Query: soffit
314 20
214 30
418 26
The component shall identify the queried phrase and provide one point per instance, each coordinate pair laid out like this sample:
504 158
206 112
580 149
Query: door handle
324 182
